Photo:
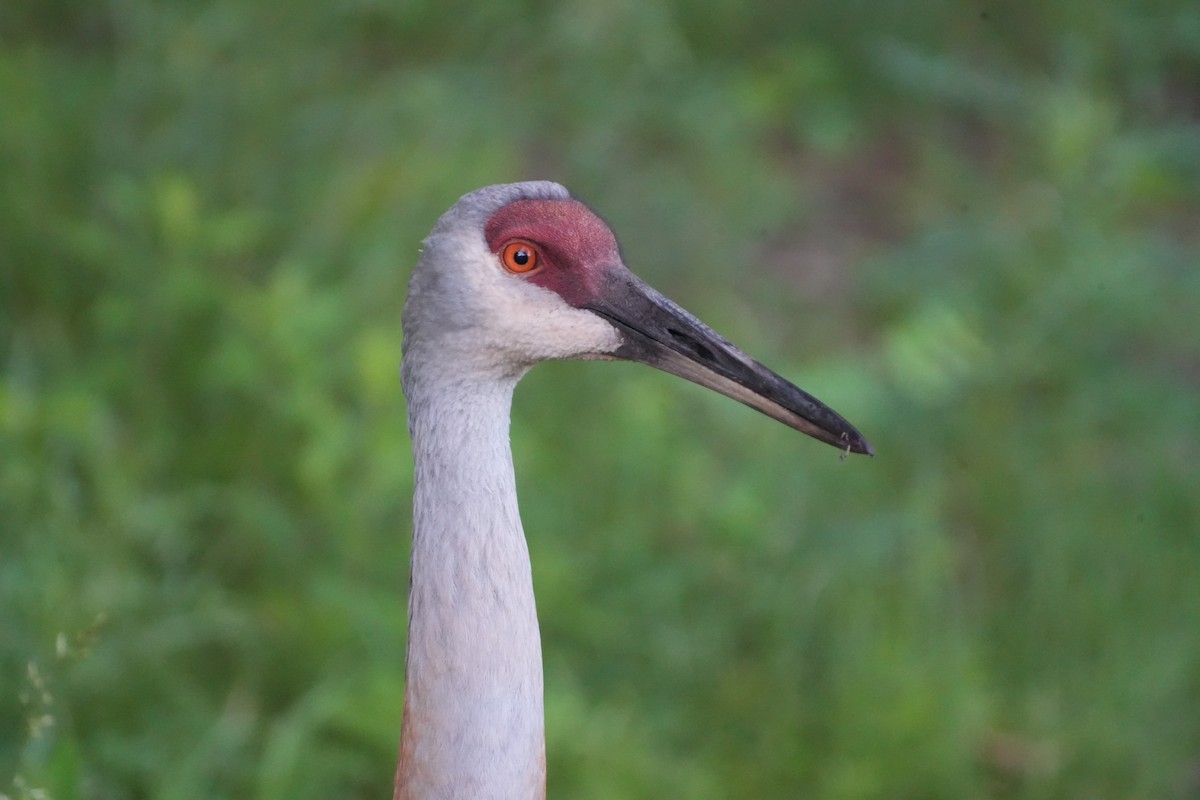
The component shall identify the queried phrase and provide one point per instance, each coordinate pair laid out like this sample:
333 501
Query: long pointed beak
657 332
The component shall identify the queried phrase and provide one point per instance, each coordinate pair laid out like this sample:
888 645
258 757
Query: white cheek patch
537 324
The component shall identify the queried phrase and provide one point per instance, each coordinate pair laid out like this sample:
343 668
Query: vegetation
974 229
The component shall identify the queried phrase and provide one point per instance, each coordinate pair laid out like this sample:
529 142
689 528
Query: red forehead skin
577 247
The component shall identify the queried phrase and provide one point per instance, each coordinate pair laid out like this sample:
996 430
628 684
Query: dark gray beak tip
848 440
855 443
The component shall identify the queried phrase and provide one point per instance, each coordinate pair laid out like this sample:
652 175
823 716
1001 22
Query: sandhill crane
512 275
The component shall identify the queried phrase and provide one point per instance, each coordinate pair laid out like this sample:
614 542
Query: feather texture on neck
473 718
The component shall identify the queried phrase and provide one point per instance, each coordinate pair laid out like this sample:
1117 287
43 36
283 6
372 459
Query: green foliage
972 229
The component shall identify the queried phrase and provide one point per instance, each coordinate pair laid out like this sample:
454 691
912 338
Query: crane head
520 273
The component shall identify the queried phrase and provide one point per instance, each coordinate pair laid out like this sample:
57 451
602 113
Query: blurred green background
973 228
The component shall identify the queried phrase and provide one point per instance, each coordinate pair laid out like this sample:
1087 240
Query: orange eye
519 257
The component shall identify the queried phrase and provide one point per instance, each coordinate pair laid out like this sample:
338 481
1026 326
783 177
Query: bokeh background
973 228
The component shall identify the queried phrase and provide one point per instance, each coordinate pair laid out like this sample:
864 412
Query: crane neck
473 707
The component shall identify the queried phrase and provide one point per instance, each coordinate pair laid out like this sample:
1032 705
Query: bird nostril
691 343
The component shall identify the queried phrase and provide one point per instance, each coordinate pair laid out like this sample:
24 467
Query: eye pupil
521 257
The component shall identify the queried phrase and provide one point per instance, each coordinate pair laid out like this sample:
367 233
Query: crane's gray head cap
473 209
